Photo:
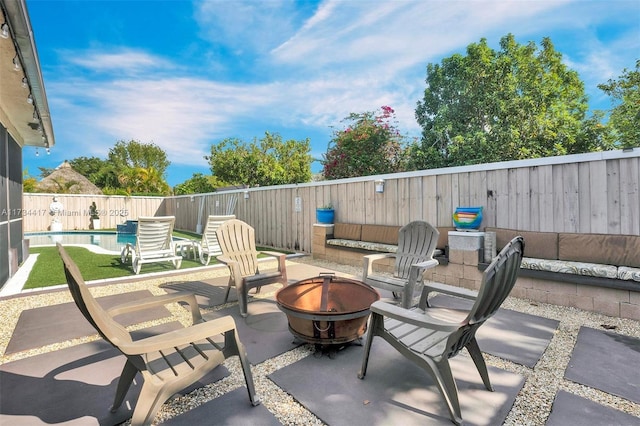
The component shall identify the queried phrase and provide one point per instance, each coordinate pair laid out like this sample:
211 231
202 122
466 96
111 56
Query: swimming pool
110 241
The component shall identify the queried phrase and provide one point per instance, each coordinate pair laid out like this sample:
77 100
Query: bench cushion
621 250
384 234
347 231
363 245
543 245
567 267
629 274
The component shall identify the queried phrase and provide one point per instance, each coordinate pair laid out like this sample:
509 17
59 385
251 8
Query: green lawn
48 271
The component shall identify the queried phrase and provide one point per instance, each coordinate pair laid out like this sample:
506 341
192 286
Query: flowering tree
370 144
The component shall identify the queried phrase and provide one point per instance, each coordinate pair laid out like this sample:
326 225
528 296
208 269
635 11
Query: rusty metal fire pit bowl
327 310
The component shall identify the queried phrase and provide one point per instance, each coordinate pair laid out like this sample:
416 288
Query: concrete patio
548 364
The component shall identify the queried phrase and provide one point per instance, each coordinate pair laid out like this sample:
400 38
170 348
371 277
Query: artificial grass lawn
48 270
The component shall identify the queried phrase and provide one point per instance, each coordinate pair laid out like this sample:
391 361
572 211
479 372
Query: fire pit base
332 349
327 310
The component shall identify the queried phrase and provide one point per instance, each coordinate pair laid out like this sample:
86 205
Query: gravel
532 405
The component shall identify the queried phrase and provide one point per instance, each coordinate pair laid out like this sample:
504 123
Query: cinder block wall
462 271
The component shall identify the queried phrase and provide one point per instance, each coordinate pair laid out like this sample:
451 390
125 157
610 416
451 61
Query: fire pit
327 310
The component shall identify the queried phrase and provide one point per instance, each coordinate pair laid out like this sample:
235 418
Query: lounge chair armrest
182 336
155 301
411 316
368 260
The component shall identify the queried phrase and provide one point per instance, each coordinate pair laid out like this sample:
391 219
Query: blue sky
187 74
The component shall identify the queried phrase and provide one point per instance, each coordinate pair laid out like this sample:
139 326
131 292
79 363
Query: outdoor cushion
567 267
620 250
347 231
380 234
542 245
629 274
363 245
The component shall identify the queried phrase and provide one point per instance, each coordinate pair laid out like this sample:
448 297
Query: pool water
110 241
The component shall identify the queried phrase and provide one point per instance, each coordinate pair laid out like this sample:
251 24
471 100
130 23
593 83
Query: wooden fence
585 193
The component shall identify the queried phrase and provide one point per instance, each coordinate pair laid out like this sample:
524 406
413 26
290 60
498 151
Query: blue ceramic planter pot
467 218
325 216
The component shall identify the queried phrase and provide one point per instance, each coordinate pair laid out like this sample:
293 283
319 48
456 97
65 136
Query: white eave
15 112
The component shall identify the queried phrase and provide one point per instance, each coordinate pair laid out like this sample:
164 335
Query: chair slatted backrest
237 241
209 237
106 326
154 233
416 243
497 282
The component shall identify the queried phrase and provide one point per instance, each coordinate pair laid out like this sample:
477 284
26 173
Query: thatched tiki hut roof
65 180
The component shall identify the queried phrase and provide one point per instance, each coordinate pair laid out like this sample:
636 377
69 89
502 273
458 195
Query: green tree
45 171
264 162
28 182
370 144
90 167
625 116
143 181
134 154
516 103
196 184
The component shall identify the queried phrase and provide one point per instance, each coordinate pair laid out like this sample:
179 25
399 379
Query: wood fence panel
415 190
429 195
523 199
501 193
534 196
629 196
571 203
584 198
403 207
463 189
598 195
490 209
546 206
444 199
613 196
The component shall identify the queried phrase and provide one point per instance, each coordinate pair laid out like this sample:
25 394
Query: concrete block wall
462 271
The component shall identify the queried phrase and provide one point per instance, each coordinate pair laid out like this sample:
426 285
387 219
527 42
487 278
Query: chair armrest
445 289
234 268
411 316
280 256
154 301
183 336
427 264
368 260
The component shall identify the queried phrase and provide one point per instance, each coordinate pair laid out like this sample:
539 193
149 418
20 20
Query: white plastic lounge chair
209 246
153 243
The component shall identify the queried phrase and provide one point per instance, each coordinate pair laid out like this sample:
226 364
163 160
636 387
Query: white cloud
121 60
